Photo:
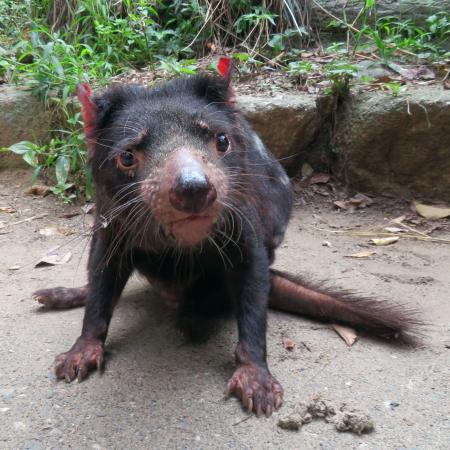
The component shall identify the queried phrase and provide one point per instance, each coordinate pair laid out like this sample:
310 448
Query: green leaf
62 167
30 158
22 147
48 48
58 66
65 92
35 174
241 56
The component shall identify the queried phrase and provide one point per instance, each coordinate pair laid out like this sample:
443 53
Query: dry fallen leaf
384 241
320 178
346 333
38 189
413 72
364 254
7 209
51 231
357 201
360 200
52 258
399 220
431 212
341 204
288 344
394 230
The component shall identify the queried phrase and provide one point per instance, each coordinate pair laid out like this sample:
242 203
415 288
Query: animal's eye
222 143
126 159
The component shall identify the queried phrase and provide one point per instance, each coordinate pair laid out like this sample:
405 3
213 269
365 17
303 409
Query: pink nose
192 191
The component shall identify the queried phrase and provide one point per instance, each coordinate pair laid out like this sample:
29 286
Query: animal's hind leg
61 297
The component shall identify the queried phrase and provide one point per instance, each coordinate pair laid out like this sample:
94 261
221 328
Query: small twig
29 219
246 47
408 109
426 114
243 420
412 229
372 57
208 18
293 18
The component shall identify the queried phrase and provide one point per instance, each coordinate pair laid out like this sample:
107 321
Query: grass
52 45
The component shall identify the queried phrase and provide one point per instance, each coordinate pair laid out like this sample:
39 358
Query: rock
373 69
22 118
286 123
396 144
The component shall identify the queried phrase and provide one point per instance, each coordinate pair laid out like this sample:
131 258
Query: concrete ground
159 392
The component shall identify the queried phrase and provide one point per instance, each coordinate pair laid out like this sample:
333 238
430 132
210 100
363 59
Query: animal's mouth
192 229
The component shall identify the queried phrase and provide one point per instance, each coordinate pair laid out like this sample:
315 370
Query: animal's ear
89 113
96 110
225 68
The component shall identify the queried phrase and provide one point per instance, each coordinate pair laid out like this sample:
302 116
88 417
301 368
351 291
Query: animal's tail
291 294
379 318
61 297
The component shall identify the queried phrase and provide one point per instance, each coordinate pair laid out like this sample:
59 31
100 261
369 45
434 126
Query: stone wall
22 118
376 142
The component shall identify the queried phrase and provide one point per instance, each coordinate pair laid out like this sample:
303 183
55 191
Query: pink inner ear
88 111
224 66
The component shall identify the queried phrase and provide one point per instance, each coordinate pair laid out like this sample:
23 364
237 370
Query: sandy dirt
160 392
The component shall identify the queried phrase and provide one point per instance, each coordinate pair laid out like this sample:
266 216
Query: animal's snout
192 192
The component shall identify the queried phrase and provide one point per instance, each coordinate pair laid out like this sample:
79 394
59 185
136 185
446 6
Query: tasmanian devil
188 195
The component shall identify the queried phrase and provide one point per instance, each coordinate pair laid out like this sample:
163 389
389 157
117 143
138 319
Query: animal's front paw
257 389
86 354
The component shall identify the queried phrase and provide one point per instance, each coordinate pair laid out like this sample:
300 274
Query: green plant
247 63
340 74
300 67
287 39
300 70
56 160
428 41
393 35
14 16
177 67
51 46
250 21
393 87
